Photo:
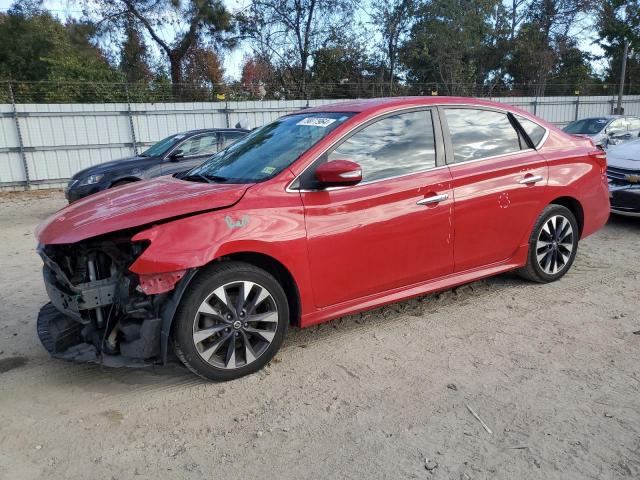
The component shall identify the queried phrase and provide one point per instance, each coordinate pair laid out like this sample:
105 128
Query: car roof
374 104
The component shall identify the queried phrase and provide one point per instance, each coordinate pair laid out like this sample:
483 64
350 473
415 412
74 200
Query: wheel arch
574 206
124 179
279 271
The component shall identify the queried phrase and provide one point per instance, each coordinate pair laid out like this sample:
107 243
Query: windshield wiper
208 178
197 177
215 178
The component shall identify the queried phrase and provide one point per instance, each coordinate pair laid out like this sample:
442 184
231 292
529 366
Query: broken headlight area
98 311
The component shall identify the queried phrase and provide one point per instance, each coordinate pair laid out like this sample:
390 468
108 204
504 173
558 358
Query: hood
135 204
127 163
626 155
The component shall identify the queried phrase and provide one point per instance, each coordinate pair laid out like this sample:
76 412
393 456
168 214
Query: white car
608 130
623 171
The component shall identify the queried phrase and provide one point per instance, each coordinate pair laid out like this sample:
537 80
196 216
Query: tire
551 252
212 327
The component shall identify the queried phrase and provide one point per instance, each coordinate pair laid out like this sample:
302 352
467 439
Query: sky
233 60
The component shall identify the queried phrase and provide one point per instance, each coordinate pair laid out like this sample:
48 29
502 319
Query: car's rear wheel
552 246
231 321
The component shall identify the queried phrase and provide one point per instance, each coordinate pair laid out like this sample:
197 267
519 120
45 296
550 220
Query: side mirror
338 173
176 156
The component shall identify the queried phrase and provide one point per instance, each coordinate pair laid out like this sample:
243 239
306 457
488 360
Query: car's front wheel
231 321
552 246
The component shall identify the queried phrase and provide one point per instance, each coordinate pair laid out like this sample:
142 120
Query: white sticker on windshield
316 122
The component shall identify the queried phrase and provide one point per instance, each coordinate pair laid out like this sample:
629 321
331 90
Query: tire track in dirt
454 305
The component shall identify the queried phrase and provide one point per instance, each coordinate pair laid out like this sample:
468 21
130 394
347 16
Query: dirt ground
553 371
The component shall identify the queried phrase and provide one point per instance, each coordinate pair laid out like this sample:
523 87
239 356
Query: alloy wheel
235 324
554 244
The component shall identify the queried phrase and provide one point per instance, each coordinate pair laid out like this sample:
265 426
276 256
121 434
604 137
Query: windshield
162 146
587 126
268 150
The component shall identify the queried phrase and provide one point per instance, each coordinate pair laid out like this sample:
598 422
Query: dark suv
174 154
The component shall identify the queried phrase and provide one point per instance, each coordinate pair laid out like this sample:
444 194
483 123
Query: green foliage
452 43
134 58
619 21
39 48
313 48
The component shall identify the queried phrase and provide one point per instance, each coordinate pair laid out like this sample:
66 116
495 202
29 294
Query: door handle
530 179
433 199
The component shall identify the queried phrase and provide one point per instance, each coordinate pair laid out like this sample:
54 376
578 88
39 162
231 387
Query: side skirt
398 294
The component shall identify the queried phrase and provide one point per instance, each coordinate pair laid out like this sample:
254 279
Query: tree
393 20
618 21
544 39
257 73
134 58
195 22
287 32
37 47
451 43
203 65
255 70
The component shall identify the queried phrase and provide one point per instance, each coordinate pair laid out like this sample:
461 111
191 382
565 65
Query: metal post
535 106
23 154
623 71
226 113
131 126
575 116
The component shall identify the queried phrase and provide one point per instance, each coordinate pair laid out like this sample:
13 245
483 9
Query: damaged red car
321 213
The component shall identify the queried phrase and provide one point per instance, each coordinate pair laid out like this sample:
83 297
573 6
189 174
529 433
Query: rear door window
477 134
227 138
200 145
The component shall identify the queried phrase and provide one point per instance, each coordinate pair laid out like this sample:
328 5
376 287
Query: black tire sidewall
202 285
549 212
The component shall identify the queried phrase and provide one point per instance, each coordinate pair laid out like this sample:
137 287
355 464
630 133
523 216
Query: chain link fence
154 92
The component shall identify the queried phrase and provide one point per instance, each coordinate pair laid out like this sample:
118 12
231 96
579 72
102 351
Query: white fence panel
61 139
11 169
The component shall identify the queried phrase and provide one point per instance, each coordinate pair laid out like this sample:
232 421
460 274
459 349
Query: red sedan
322 213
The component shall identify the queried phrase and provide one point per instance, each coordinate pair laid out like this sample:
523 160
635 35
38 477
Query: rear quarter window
532 129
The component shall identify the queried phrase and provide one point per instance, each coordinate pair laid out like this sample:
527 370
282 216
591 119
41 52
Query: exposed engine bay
99 312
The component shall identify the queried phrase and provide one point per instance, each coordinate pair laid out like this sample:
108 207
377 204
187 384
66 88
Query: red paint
339 172
160 282
362 246
494 213
138 203
372 238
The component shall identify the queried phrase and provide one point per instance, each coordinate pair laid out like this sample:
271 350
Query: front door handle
530 179
433 199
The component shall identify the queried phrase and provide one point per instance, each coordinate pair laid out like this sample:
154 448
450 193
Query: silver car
606 130
623 171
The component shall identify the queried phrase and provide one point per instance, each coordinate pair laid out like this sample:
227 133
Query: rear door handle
434 199
530 179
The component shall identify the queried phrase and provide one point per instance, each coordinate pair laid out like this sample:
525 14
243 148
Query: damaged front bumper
65 338
99 311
